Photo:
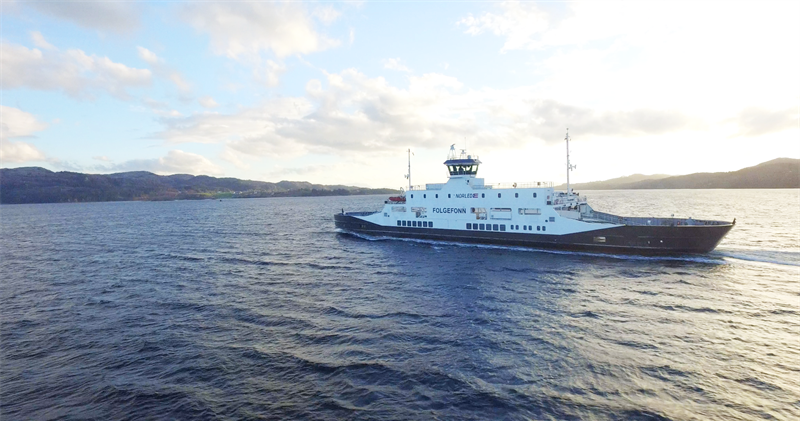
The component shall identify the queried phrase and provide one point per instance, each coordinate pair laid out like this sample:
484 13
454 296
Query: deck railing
641 221
530 185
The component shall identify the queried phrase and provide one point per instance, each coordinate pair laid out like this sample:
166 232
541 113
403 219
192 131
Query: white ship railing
530 185
639 221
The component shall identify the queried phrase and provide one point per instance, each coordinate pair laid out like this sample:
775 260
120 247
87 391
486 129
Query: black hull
634 239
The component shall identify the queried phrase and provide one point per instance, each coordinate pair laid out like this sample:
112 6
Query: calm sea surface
260 309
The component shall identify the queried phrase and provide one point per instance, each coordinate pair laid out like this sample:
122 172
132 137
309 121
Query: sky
338 92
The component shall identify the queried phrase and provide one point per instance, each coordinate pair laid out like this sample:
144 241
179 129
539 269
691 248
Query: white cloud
147 55
161 69
208 102
395 64
19 152
326 14
39 41
15 123
706 60
246 29
757 121
18 123
355 113
270 73
518 23
175 162
71 71
111 16
102 158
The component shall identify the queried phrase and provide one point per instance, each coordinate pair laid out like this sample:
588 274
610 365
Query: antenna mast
408 176
570 167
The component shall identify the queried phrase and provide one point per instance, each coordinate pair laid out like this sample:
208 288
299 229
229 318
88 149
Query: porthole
483 195
516 194
448 195
424 196
498 195
534 195
412 196
437 196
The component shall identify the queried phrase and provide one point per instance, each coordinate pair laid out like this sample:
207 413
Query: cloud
161 69
270 73
326 14
148 56
102 158
111 16
39 41
15 123
548 120
240 30
518 23
395 64
73 71
208 102
757 121
355 113
175 162
18 123
19 152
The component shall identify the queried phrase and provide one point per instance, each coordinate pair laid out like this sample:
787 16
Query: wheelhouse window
469 225
483 227
398 223
462 169
502 227
495 227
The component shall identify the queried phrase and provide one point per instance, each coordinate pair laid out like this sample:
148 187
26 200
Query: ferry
467 210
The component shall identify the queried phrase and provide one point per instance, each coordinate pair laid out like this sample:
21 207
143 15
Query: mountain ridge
40 185
774 174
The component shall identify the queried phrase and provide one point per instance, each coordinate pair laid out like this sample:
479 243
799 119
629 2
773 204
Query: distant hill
614 183
38 185
781 173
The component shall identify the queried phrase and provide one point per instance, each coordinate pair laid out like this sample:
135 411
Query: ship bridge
462 165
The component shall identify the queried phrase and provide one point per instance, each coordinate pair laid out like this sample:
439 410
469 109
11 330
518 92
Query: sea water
259 308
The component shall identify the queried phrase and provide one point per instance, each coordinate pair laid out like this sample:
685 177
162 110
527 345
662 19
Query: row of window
483 195
502 227
418 224
486 227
